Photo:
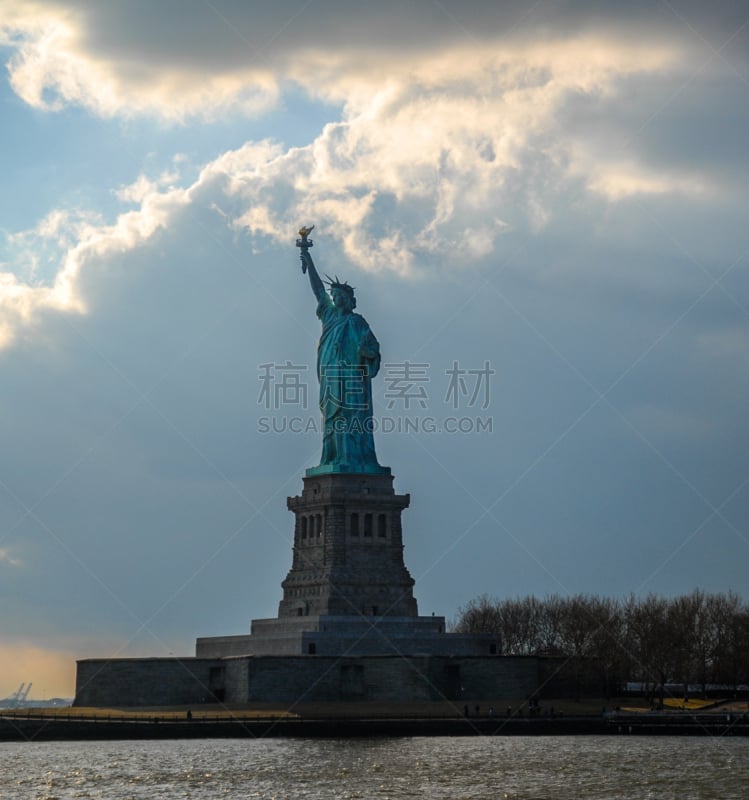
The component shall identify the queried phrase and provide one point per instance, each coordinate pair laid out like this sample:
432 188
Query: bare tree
682 618
694 638
480 615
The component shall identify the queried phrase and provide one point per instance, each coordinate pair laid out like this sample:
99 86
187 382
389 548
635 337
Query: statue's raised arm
314 279
308 266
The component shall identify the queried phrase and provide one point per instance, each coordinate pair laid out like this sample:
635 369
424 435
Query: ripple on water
500 768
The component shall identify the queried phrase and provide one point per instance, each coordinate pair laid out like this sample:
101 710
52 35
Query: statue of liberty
348 357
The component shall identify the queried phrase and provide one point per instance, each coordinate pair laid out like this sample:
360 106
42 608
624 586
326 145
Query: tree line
698 639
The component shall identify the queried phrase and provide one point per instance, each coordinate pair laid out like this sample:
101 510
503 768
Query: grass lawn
364 710
352 710
686 705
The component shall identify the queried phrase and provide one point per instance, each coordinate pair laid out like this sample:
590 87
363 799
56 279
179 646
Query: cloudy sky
544 209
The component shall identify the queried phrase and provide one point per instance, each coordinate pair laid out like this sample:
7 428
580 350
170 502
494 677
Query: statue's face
341 299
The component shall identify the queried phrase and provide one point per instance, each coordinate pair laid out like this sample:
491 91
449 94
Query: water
500 768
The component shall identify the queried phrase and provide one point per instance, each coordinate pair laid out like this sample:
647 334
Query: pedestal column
348 549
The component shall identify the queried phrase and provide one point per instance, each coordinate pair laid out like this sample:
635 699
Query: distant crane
20 695
15 697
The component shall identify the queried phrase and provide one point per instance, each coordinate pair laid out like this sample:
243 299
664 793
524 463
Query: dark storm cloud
224 34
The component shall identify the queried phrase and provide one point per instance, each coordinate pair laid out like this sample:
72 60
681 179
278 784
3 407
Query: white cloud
72 241
617 181
52 67
7 557
442 153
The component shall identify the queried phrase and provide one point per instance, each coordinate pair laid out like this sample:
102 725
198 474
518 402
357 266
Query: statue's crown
336 284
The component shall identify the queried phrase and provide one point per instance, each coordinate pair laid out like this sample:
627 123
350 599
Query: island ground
348 720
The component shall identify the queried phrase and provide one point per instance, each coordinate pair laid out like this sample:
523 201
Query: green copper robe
348 357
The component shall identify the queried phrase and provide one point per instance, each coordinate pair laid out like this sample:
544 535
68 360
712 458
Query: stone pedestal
347 628
348 549
348 592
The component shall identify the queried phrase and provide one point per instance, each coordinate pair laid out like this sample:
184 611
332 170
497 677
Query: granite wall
298 679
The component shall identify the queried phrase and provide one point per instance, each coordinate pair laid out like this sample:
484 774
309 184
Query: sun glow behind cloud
436 151
438 154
